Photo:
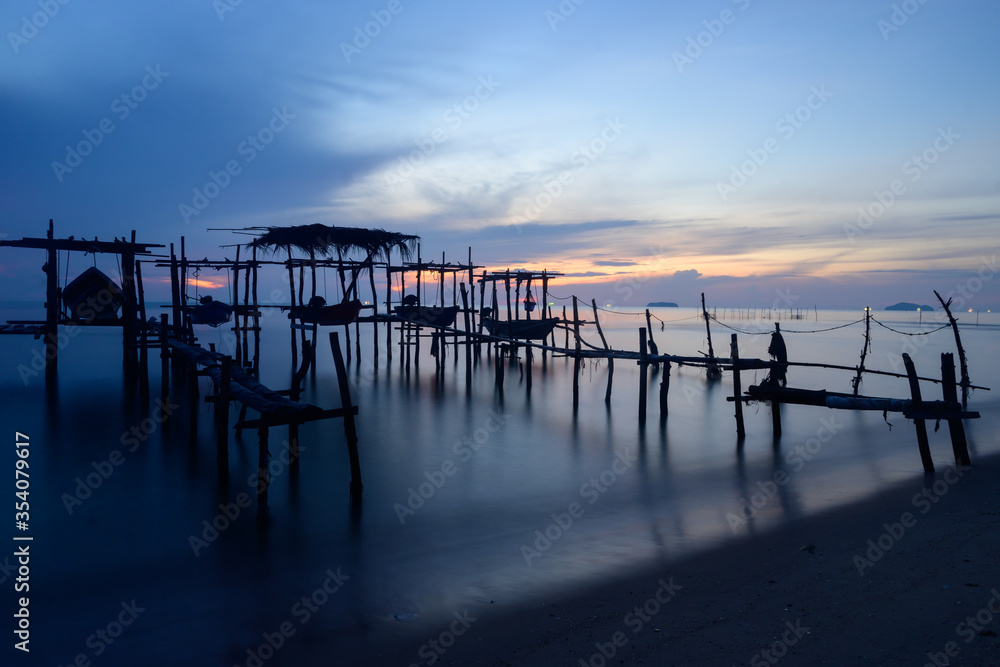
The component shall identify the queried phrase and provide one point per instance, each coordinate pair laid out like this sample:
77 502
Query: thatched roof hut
326 240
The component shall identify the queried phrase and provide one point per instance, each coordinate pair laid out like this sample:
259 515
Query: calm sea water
483 479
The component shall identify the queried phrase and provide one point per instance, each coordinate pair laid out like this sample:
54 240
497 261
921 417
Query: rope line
795 331
903 333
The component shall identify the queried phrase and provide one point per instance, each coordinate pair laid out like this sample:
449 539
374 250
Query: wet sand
814 592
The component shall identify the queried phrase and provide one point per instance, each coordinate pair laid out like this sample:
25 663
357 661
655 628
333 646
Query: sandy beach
907 577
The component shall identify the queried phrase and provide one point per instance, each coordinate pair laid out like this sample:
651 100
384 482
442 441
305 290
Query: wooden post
129 307
235 301
921 426
468 341
291 302
712 371
955 426
164 357
856 382
545 306
643 371
350 431
506 282
371 281
175 295
255 366
517 297
388 306
611 360
52 308
576 354
734 352
565 330
664 390
963 364
652 342
143 334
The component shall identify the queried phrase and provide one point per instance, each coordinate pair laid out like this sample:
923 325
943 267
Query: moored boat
92 295
521 329
211 312
436 316
318 313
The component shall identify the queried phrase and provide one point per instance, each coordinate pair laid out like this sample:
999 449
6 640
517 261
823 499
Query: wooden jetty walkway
462 324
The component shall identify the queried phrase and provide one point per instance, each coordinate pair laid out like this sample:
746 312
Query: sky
767 153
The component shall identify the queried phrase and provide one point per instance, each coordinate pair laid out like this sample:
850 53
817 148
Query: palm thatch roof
325 240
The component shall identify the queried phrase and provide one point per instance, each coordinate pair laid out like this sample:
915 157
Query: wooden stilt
350 430
576 355
643 377
856 382
164 357
371 281
920 424
604 342
468 343
955 426
734 353
664 390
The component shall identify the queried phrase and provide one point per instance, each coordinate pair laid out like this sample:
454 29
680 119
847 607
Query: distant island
906 305
661 304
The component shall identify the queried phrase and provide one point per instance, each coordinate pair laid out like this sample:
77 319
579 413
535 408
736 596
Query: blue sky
672 148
